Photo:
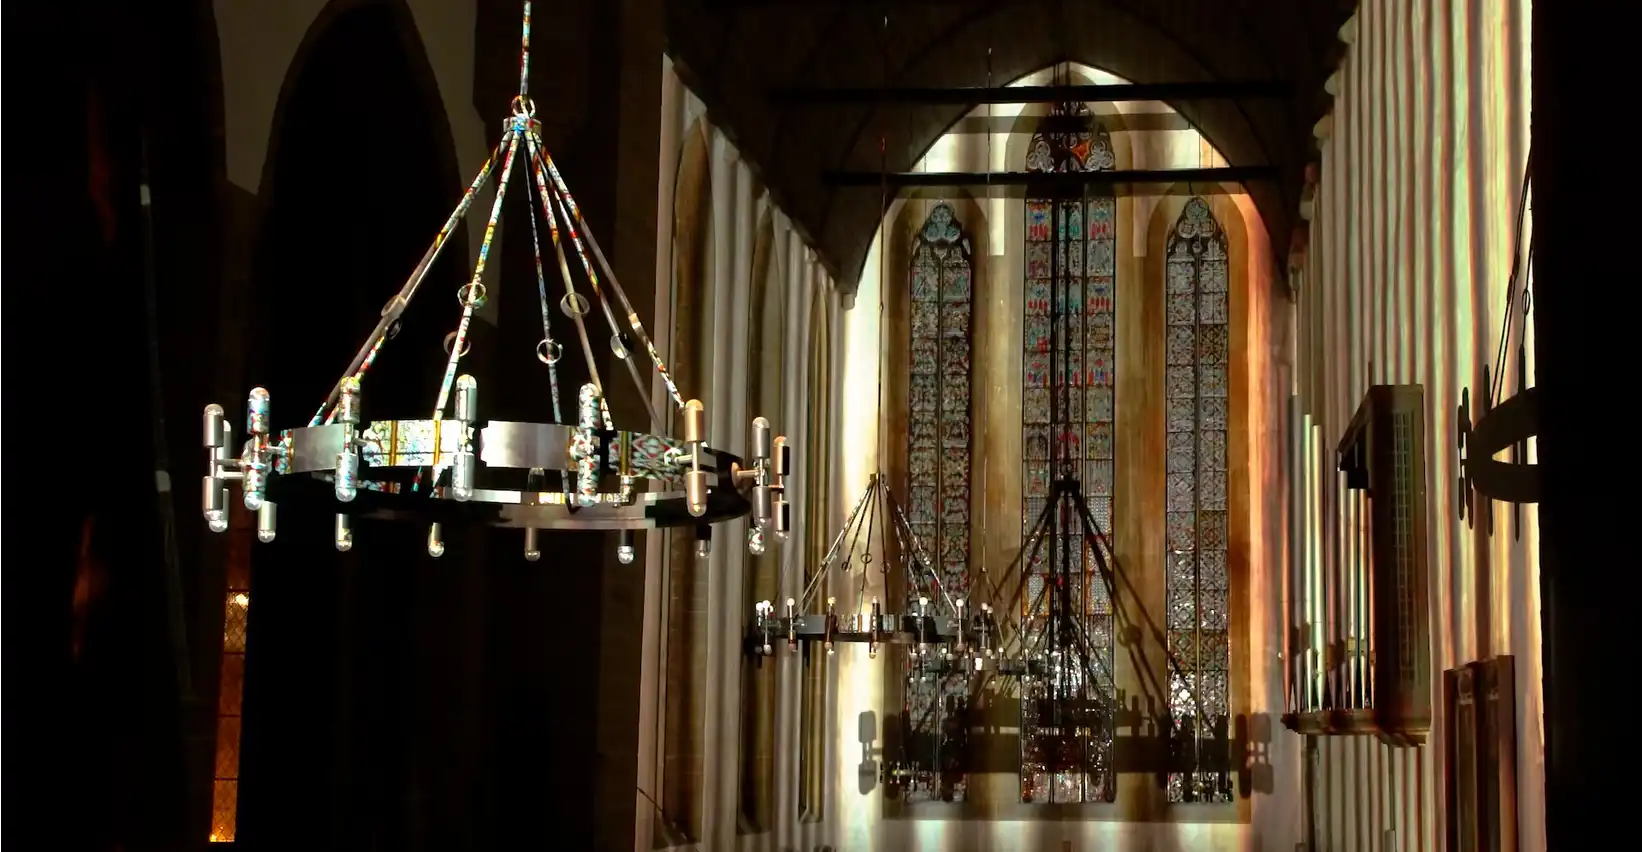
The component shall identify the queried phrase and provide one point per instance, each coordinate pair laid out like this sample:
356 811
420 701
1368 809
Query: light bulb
265 536
436 540
218 523
624 554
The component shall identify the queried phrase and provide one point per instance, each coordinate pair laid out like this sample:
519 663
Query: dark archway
360 174
359 729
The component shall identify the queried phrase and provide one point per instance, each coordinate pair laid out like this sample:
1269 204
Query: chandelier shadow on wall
453 466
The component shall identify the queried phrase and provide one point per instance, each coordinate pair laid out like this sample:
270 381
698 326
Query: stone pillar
720 296
730 349
653 647
788 252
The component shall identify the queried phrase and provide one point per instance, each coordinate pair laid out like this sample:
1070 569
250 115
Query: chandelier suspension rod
578 228
550 350
855 540
633 321
473 294
395 308
537 152
572 300
866 557
918 554
524 54
838 541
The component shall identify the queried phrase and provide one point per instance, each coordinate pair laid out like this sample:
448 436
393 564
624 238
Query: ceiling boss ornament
455 466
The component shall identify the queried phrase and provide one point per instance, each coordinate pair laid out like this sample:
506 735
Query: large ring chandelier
454 466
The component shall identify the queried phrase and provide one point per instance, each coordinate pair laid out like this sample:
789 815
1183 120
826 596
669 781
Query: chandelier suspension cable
1519 271
986 466
524 55
879 356
895 522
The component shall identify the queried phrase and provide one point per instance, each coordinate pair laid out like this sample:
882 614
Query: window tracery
1196 396
1078 237
938 483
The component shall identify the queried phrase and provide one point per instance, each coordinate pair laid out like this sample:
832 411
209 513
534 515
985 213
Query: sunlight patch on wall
859 678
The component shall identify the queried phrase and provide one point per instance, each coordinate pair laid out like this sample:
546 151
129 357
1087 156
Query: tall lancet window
938 487
1196 396
1067 425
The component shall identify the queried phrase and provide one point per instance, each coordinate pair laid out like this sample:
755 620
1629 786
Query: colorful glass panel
938 486
1196 351
1067 415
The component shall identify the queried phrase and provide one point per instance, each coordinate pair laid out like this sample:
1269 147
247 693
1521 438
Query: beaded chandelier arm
456 466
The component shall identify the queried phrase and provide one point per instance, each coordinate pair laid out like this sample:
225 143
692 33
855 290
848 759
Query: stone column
788 252
720 297
730 351
653 653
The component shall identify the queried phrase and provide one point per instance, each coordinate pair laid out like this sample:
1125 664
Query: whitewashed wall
1412 243
793 277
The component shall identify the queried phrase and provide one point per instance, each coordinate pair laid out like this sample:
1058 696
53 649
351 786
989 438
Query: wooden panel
1494 688
1459 759
1480 771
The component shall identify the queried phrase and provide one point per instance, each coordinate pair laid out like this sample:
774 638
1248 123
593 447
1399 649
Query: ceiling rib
1128 180
978 95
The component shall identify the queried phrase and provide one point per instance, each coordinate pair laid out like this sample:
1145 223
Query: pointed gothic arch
1072 240
1197 399
940 282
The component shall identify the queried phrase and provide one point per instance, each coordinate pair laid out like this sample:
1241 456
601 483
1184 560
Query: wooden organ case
1480 755
1377 671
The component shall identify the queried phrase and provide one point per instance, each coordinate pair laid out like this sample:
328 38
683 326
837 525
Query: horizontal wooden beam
1020 184
978 95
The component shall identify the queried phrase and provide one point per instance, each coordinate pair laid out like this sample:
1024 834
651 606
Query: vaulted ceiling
735 53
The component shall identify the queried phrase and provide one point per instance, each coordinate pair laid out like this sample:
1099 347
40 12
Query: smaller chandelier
941 628
454 466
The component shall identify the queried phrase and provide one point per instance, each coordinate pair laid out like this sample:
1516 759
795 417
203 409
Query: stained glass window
1072 240
1196 399
938 467
231 687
